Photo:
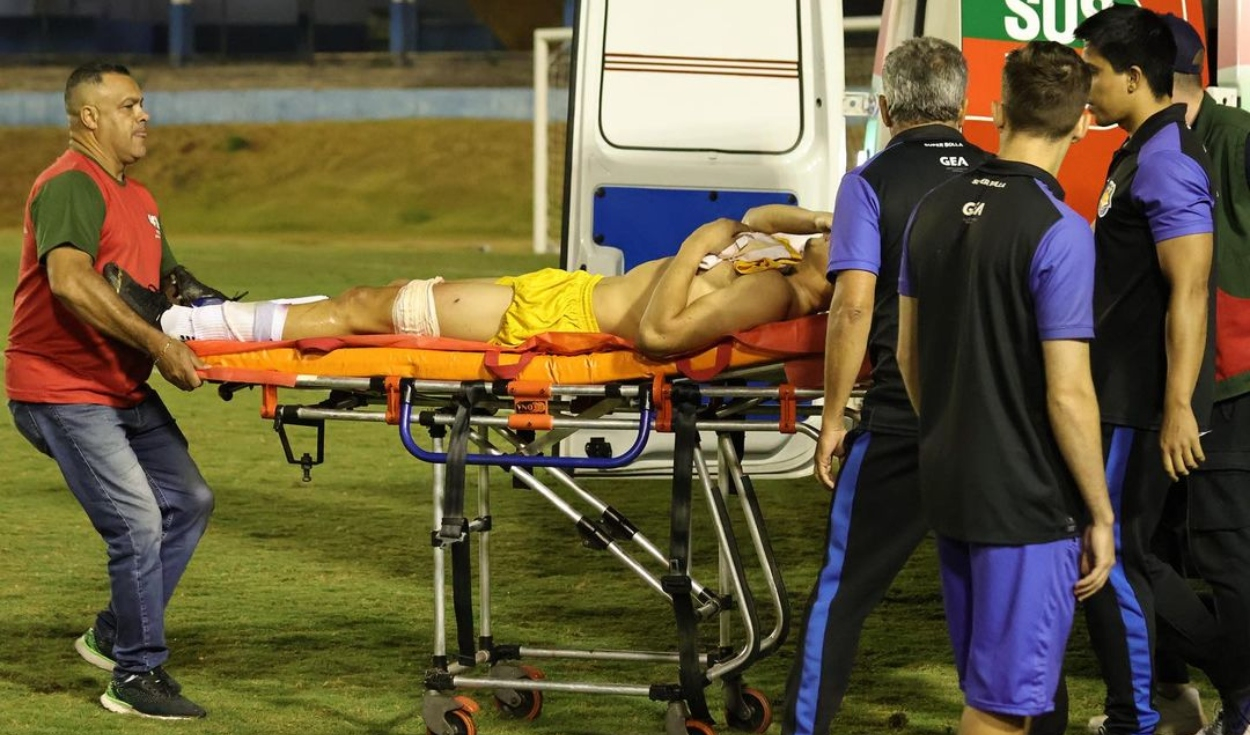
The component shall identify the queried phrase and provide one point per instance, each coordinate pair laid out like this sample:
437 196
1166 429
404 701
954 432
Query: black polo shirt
870 215
998 264
1158 188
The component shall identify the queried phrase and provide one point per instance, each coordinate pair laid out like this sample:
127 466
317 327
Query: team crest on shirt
1104 201
156 224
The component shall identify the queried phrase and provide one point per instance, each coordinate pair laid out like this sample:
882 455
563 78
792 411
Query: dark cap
1189 50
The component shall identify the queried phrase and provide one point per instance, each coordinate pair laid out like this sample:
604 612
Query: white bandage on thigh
413 311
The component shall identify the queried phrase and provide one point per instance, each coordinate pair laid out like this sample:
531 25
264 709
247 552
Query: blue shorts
1009 611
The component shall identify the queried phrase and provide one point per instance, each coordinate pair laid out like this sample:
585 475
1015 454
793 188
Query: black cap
1189 50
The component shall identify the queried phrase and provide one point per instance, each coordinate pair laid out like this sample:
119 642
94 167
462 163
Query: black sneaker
170 681
149 695
148 303
190 291
98 651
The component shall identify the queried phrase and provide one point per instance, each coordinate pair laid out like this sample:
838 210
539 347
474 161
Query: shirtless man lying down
722 280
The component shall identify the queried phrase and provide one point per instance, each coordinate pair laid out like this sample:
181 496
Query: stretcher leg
486 640
737 482
439 566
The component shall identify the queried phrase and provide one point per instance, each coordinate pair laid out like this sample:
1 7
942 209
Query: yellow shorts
549 300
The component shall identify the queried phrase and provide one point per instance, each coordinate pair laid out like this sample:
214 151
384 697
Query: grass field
308 606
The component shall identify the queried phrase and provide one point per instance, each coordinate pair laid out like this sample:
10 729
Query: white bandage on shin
413 311
269 320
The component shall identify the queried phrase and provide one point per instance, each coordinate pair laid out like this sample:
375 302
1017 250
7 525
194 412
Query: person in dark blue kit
995 318
875 521
1152 359
1216 527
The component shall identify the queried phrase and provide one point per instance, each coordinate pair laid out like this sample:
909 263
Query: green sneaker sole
91 655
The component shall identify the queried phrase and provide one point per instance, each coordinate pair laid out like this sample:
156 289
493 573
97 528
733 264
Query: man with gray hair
875 520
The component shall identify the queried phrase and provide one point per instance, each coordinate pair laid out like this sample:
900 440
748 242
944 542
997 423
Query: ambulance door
683 111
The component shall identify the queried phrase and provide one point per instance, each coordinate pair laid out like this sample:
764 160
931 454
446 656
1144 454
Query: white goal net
553 51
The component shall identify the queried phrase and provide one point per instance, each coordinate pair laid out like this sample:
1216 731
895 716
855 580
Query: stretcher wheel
761 712
530 705
698 727
461 723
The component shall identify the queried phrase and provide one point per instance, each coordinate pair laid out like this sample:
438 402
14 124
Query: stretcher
483 406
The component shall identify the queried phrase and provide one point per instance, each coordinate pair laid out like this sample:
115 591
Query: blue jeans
130 470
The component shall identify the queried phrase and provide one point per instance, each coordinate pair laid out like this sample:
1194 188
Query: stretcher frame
501 419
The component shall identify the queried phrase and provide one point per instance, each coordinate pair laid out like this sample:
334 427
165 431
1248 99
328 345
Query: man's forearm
85 293
846 340
784 218
1186 337
657 327
1074 419
672 292
908 349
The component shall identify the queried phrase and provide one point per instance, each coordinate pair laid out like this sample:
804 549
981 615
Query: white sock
257 321
176 322
209 322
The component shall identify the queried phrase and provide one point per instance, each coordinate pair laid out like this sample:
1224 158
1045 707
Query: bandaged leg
413 311
255 321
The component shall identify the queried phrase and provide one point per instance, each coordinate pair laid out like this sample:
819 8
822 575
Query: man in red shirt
76 369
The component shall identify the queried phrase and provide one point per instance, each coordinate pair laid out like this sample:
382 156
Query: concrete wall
33 109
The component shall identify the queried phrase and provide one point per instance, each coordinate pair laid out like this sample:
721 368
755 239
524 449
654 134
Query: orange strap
392 399
490 359
244 375
268 401
724 353
789 408
662 400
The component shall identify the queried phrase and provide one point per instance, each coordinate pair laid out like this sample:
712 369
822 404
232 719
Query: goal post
552 58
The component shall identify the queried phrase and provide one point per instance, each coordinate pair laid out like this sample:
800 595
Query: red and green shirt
1225 131
54 357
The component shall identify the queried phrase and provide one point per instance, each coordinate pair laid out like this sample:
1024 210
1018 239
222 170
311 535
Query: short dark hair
90 73
1126 36
1045 86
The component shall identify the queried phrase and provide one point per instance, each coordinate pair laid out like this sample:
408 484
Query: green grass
308 607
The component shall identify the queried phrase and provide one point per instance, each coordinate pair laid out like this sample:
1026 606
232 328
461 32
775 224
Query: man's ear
883 108
89 116
996 110
963 113
1134 79
1082 126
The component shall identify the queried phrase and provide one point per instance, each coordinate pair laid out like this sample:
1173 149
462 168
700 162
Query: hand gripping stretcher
483 406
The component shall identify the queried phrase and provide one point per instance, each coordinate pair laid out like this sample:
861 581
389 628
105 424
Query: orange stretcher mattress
557 358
